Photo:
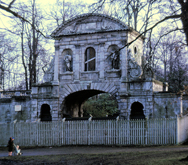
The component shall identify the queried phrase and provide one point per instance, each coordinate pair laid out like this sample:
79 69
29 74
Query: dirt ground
101 155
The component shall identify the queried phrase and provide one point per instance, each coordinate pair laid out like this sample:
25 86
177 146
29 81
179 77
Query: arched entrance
73 103
45 113
98 104
137 111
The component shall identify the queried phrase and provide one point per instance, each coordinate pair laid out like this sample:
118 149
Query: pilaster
124 64
56 65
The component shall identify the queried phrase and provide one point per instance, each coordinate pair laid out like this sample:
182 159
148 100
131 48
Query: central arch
74 95
72 104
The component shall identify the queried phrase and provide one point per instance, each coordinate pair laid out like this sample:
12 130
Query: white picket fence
96 132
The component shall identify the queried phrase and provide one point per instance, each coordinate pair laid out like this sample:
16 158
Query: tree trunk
34 46
184 17
23 61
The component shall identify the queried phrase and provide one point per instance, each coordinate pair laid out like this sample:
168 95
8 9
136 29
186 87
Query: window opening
90 59
135 50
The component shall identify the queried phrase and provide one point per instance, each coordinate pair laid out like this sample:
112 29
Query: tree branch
99 6
7 9
10 5
156 24
165 35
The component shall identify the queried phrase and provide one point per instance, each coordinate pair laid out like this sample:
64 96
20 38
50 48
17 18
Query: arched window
90 59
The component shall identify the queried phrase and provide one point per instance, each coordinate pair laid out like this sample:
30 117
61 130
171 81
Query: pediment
88 23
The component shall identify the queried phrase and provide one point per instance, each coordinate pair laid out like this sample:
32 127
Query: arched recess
137 111
45 114
113 57
67 60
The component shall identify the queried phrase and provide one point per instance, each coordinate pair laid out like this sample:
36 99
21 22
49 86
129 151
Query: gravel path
92 150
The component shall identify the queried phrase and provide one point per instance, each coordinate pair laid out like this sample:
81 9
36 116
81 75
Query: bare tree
170 56
63 10
23 56
8 57
167 10
34 53
32 50
35 43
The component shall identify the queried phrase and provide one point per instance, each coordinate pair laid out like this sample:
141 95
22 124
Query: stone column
55 111
122 106
124 67
124 64
34 110
77 62
56 64
101 59
34 104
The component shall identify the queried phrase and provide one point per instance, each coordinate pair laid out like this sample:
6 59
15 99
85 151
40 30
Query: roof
103 23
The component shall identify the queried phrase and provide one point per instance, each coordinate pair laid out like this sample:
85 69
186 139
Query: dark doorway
137 111
45 113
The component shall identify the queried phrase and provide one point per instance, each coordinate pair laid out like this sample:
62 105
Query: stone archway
72 104
45 114
137 111
74 95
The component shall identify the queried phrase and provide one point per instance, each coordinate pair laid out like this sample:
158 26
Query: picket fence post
89 131
177 129
146 130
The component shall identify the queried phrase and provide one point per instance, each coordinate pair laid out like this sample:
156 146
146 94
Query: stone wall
185 104
136 47
8 113
167 105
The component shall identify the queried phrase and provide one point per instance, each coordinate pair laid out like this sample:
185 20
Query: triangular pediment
89 23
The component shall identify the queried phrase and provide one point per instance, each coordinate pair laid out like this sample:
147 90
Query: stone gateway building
90 58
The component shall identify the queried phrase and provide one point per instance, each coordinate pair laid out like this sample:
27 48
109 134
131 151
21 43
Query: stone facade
90 58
